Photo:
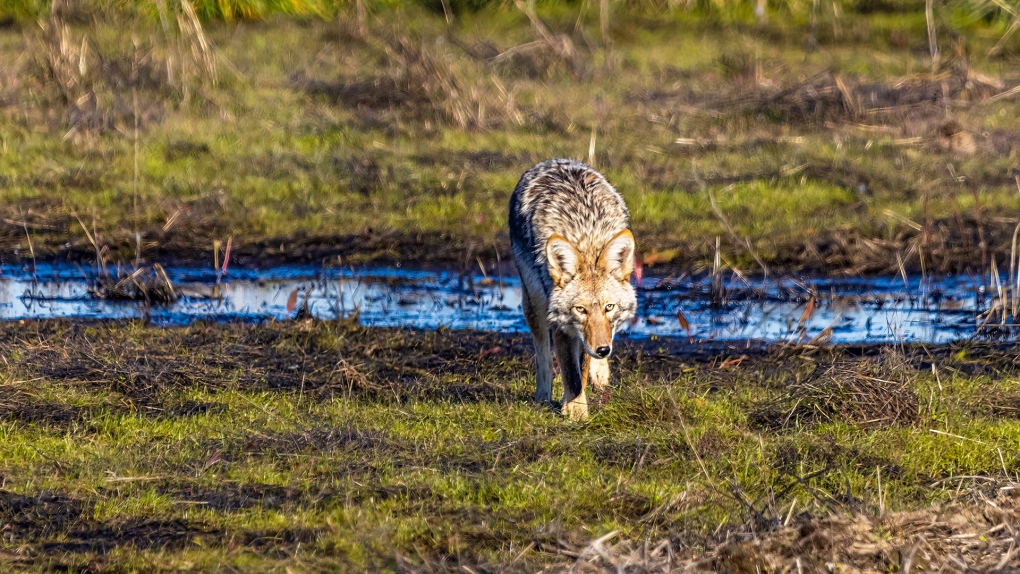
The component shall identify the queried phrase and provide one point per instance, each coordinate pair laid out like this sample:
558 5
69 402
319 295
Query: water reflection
820 309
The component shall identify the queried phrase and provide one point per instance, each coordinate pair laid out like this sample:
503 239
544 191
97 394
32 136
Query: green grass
223 10
262 155
319 445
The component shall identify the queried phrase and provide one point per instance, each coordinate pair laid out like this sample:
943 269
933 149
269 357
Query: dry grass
190 61
98 88
977 533
427 74
421 82
149 284
70 62
916 106
867 393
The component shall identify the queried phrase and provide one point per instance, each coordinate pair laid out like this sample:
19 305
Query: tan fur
571 243
597 330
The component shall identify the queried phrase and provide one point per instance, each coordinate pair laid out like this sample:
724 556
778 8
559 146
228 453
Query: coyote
574 252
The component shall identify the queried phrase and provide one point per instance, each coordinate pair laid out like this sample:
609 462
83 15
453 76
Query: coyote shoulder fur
575 255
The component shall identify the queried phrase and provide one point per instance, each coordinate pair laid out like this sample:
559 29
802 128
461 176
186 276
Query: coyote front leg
568 351
535 315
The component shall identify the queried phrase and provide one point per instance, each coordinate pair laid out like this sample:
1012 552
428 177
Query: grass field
831 140
316 445
833 146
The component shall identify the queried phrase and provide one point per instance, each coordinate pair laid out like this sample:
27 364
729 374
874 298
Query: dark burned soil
317 445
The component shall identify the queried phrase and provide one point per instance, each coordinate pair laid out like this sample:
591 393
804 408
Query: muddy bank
195 246
961 244
338 357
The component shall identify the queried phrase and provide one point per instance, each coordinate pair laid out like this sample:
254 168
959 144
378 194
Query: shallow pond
840 310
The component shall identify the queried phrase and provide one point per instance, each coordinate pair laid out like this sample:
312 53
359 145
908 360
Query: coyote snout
575 254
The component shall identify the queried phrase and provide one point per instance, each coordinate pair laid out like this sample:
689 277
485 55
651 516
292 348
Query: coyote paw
543 390
576 409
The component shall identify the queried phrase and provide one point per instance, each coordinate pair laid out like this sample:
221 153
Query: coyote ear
617 257
562 258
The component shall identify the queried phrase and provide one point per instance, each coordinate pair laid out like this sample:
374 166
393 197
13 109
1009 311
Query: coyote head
592 299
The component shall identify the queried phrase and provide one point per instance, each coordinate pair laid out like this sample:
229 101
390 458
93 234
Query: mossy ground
837 149
315 445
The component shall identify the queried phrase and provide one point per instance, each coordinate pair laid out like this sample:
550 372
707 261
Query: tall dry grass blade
1016 293
226 255
923 287
809 310
94 240
200 44
447 13
903 271
165 288
881 495
682 319
360 19
604 20
812 42
997 48
996 282
134 189
933 45
580 16
849 99
733 233
717 260
1013 279
190 57
837 26
28 236
559 44
1000 96
66 61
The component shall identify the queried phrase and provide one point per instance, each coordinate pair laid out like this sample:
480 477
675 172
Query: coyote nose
603 352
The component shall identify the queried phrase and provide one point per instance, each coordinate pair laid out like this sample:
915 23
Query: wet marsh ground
832 146
313 445
784 309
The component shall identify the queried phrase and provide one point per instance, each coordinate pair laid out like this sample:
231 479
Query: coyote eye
610 307
581 310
